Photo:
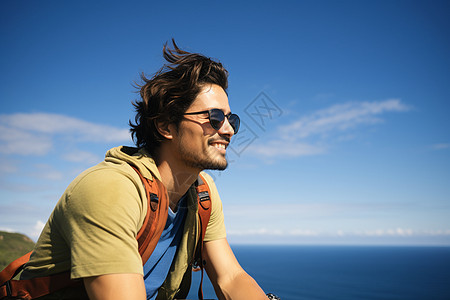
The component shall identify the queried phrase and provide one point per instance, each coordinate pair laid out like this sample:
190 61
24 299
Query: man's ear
165 129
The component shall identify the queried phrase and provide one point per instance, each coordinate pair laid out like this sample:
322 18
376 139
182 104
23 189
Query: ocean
344 272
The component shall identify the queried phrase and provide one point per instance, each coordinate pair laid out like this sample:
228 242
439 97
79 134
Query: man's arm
230 281
115 286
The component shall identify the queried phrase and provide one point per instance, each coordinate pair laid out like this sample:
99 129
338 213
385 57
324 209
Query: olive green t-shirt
92 230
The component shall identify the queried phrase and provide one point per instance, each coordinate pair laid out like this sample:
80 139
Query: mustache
221 139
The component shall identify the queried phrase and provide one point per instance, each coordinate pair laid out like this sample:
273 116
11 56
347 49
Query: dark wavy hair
169 93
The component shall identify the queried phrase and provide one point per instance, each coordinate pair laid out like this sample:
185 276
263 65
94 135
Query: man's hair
169 93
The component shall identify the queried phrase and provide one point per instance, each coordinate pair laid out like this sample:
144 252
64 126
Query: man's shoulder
103 175
116 186
137 157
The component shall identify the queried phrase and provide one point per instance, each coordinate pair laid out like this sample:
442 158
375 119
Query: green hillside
12 246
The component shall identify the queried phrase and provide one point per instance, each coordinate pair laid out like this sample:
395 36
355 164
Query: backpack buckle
8 288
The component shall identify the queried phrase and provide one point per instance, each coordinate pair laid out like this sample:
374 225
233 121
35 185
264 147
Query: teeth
220 146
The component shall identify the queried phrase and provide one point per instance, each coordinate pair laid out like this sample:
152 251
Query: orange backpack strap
14 268
147 237
31 288
204 204
204 212
37 287
156 217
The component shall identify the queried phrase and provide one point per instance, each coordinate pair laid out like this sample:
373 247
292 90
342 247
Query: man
183 125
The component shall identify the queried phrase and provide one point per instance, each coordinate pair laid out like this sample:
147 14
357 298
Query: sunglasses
217 117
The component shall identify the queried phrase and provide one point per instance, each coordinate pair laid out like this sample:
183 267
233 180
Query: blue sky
344 106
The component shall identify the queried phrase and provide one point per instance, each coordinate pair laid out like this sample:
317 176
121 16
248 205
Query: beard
207 159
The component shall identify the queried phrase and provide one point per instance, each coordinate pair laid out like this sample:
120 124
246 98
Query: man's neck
177 179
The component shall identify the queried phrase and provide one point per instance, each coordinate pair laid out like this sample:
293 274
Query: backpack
147 237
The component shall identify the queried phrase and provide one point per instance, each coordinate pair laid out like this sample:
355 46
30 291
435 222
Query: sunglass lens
235 122
216 117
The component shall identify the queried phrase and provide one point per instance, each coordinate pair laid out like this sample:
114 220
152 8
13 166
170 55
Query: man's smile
221 146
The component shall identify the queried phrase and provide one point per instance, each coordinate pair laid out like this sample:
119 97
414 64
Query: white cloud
37 228
81 156
34 133
436 232
386 232
327 220
273 232
7 167
303 232
7 229
18 141
259 231
288 149
295 139
45 171
300 232
341 117
441 146
295 211
340 233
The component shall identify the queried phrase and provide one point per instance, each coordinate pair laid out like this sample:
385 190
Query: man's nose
226 128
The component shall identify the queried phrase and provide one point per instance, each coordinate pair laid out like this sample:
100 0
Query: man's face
198 144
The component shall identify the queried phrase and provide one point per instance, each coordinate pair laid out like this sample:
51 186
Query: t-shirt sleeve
216 225
100 219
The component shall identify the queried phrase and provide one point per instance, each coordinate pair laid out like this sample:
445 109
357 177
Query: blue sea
344 272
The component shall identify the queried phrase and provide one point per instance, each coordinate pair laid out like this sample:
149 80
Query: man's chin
218 168
217 161
218 165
